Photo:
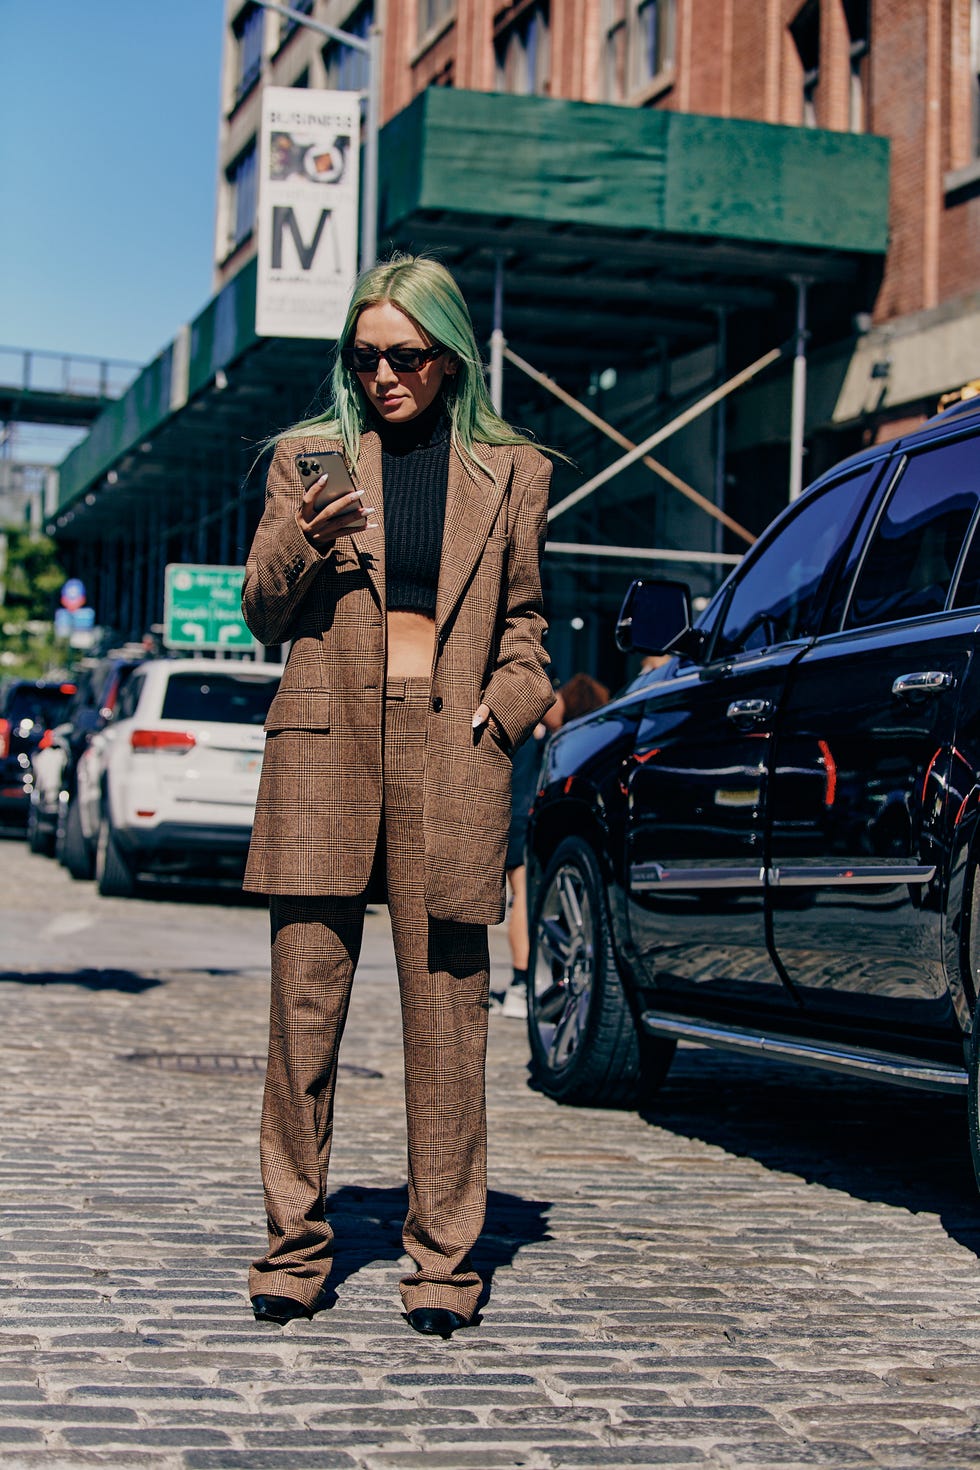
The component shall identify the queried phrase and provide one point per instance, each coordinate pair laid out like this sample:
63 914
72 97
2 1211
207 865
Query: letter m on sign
284 219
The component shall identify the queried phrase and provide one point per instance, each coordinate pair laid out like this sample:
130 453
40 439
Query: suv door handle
926 681
755 710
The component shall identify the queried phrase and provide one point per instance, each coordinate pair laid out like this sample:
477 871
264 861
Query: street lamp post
371 48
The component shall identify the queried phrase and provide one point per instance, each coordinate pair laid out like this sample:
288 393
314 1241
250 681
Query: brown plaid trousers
443 978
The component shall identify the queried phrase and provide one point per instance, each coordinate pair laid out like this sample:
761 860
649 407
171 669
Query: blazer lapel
472 504
370 545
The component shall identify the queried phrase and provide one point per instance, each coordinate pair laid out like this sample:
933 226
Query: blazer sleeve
519 691
281 565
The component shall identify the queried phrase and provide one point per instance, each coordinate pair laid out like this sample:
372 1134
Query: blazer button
437 705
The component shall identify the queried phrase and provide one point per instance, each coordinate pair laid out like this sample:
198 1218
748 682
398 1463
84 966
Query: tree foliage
32 578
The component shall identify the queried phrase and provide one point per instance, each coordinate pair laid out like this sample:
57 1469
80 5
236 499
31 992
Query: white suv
169 786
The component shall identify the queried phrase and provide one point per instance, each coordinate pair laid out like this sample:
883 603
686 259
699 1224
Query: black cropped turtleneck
414 476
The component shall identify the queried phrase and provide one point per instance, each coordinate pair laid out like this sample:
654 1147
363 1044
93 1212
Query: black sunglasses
399 359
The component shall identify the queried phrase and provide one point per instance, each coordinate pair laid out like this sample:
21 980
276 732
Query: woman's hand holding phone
329 510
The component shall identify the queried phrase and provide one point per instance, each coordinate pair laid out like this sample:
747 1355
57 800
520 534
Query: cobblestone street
774 1267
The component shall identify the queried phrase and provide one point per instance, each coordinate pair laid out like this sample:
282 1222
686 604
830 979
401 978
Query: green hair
425 291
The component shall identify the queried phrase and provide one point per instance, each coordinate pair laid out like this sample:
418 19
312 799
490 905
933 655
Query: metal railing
34 371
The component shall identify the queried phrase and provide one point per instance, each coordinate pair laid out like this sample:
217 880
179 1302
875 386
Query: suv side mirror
656 618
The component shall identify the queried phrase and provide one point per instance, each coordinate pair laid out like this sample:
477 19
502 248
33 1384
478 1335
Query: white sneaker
515 1003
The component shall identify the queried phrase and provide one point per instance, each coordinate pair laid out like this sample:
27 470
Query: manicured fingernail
367 510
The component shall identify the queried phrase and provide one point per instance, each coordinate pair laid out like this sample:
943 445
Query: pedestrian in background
579 696
416 668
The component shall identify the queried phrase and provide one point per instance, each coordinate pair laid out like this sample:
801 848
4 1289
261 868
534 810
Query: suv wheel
585 1047
113 875
38 840
73 849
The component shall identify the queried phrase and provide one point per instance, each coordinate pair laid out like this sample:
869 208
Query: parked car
169 785
28 708
772 842
51 820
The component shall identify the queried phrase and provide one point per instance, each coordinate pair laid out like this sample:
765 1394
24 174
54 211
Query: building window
858 14
638 45
347 69
243 181
523 51
654 45
805 30
432 13
249 32
287 25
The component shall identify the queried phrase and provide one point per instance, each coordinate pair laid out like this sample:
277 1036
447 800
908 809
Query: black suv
771 843
27 710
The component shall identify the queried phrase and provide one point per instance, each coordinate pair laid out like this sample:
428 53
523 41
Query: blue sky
108 151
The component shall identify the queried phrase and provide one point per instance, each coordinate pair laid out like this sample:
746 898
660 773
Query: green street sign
202 608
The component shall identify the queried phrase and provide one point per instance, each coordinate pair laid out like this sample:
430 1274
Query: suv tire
585 1045
114 876
38 840
75 851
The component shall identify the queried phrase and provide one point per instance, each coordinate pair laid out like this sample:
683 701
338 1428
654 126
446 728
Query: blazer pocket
299 709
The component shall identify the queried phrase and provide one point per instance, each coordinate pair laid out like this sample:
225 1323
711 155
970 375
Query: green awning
481 160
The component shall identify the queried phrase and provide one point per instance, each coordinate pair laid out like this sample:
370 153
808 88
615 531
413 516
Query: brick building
906 70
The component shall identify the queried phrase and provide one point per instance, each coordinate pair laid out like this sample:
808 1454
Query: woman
416 666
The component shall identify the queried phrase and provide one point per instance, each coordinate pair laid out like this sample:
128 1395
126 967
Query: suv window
231 699
129 697
45 706
968 584
778 598
916 545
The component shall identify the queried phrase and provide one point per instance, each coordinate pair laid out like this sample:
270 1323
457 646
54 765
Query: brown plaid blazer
319 805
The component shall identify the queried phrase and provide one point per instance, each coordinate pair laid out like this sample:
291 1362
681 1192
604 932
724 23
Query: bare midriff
411 645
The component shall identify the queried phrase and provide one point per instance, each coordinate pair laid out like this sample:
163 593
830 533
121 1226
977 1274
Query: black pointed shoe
283 1309
435 1321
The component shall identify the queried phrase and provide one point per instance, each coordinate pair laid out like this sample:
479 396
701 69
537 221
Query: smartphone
333 464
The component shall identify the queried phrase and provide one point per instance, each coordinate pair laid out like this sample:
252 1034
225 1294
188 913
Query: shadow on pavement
896 1146
368 1225
127 981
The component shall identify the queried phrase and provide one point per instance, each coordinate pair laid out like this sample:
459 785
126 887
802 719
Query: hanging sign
307 217
73 594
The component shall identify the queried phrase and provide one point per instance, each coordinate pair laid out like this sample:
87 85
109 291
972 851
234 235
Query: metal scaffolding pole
798 418
696 409
591 417
721 438
498 342
643 553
